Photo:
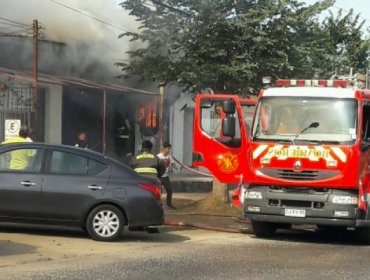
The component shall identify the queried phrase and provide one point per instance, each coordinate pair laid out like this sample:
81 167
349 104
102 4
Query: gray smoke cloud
87 41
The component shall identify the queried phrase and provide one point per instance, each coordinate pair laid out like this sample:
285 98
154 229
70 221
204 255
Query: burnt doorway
83 112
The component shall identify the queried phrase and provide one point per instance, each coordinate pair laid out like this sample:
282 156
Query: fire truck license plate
295 212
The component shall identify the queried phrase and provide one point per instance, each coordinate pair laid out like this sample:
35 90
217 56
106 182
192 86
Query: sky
361 7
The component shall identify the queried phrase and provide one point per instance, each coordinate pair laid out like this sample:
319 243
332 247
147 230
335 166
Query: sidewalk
187 215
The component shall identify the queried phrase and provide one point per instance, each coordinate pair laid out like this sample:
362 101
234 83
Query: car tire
263 229
105 223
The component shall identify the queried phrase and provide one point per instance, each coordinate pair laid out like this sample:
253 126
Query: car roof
59 147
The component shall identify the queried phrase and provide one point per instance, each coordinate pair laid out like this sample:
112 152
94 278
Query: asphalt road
179 253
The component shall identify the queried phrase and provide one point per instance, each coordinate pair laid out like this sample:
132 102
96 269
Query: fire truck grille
305 175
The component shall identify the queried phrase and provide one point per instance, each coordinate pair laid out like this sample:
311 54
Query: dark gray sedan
64 185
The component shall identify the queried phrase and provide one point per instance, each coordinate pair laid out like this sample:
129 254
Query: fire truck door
365 159
220 142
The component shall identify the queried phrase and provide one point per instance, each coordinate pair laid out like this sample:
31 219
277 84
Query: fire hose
208 227
199 225
205 227
191 169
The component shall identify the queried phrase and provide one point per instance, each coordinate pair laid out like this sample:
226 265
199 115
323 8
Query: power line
13 28
15 22
10 24
92 17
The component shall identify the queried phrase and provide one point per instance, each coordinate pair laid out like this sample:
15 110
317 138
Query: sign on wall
12 128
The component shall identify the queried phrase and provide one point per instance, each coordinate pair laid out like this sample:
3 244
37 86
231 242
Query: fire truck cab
306 159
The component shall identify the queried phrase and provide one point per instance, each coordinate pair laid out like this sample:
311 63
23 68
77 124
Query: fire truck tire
263 229
363 235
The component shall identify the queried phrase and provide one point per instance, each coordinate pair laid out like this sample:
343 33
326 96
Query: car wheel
105 223
263 229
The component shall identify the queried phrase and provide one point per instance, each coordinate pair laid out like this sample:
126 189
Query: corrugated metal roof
60 80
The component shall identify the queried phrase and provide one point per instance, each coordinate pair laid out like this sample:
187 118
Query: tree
229 45
342 46
226 45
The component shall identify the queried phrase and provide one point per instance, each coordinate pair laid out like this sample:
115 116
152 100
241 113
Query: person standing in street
22 136
146 163
166 158
82 141
19 158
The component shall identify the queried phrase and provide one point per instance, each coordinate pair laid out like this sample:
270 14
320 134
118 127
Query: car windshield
303 119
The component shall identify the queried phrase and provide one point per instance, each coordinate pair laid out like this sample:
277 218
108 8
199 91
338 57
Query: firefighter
146 163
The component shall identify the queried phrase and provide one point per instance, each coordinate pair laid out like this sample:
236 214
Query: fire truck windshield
306 119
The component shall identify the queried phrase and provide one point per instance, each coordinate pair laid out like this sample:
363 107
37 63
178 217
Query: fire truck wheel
263 229
364 235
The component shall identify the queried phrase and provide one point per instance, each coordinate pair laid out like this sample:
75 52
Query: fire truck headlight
345 199
253 195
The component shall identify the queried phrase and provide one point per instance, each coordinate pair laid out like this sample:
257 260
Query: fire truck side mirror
228 126
206 103
228 106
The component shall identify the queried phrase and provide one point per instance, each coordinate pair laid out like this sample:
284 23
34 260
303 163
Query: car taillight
155 189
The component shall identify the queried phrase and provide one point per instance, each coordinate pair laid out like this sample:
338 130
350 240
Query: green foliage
342 45
229 45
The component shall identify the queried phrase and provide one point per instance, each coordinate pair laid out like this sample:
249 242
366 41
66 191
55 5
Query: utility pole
161 103
34 119
104 121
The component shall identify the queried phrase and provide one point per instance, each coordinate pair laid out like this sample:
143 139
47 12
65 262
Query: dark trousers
165 181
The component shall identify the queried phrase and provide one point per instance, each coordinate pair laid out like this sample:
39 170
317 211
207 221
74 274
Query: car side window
23 160
68 163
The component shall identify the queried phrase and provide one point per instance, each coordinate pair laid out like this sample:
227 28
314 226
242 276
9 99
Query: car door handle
28 183
94 188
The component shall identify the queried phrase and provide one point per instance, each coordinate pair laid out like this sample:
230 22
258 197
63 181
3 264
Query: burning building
115 117
77 89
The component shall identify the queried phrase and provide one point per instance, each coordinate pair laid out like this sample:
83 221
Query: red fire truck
305 159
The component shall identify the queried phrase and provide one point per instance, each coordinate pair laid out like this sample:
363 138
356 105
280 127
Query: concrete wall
181 129
53 114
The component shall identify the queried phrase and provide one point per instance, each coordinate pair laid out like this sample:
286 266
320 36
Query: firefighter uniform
147 164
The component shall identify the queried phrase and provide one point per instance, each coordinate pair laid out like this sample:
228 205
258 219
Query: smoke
89 43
